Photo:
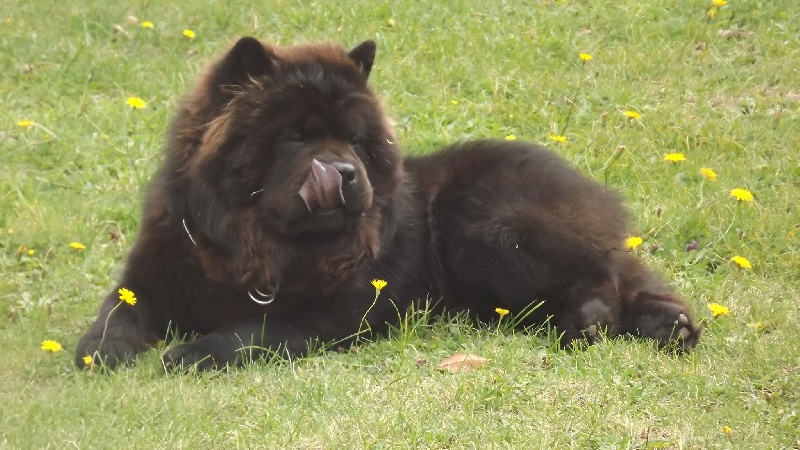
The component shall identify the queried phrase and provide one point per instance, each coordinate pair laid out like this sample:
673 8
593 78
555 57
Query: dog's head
281 161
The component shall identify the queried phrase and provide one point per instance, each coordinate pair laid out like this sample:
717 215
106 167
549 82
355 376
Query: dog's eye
362 147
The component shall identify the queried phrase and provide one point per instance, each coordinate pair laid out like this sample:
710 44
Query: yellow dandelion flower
718 310
585 57
502 312
147 24
708 173
21 250
136 103
727 430
632 114
88 360
633 242
127 296
379 284
31 252
719 2
25 123
511 137
755 325
557 138
189 34
51 346
76 246
742 195
675 157
742 262
454 102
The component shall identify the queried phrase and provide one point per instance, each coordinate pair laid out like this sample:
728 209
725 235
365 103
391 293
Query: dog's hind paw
667 323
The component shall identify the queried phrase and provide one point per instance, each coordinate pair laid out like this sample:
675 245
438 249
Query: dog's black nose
347 170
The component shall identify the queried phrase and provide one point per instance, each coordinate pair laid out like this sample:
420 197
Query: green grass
448 70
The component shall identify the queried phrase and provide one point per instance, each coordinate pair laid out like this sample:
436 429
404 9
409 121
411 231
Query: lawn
673 88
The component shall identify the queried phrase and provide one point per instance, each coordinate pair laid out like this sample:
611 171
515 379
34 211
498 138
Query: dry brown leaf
132 20
733 34
118 29
461 362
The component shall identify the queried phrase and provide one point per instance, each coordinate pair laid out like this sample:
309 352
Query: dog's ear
364 55
246 59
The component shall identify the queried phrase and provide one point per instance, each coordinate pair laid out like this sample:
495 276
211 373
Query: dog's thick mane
229 241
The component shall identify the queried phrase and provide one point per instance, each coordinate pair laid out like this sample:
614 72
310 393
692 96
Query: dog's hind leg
575 282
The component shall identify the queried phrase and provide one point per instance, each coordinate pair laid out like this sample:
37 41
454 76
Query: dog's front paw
188 355
109 351
203 354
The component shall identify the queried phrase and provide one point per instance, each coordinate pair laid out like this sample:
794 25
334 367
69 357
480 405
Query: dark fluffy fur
247 200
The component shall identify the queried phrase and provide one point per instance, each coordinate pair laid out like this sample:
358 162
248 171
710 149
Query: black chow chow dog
284 194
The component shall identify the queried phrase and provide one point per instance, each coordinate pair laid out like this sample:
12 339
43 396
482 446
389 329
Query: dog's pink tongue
322 188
